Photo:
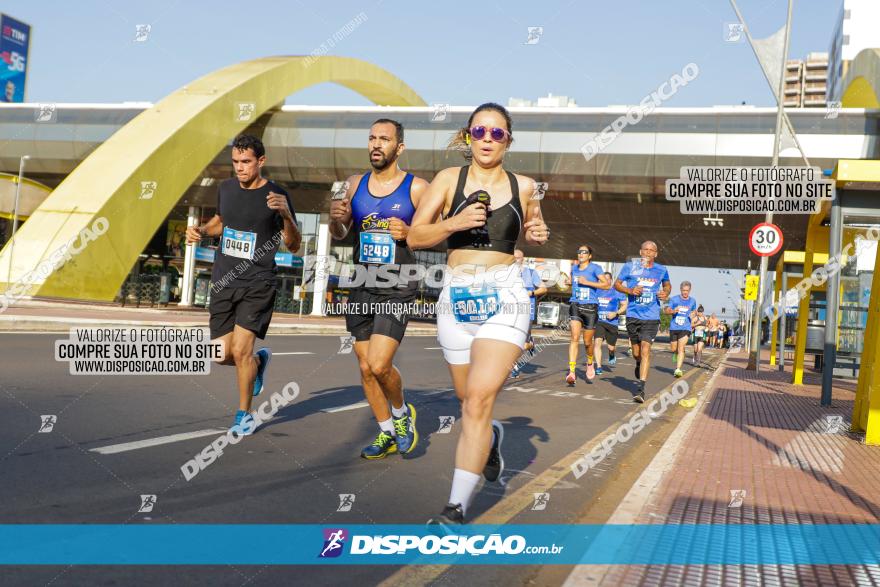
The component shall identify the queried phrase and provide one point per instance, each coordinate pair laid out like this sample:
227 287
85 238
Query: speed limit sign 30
765 239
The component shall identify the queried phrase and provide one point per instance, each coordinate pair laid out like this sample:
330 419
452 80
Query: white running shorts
509 324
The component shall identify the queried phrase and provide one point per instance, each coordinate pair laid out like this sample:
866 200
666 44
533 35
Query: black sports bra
503 225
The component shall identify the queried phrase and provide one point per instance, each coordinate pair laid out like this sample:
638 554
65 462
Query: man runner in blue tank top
647 284
378 208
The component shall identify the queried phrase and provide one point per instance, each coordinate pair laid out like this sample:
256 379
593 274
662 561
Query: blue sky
463 53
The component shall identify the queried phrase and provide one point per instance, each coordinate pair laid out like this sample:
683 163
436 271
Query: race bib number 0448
238 243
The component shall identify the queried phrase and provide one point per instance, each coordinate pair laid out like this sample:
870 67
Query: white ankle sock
399 412
387 426
464 484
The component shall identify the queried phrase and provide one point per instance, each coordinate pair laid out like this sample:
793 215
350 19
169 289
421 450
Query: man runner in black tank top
378 209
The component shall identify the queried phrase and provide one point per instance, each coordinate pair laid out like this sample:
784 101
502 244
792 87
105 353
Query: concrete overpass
613 201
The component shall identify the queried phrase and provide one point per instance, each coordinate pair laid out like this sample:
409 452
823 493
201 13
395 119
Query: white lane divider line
365 404
344 408
438 392
433 348
127 446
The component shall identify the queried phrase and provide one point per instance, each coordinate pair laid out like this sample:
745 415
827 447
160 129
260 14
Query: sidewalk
60 316
794 460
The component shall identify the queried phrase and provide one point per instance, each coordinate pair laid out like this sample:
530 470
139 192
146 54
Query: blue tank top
373 245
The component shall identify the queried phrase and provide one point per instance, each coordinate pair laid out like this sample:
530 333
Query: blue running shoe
383 446
612 361
264 355
405 429
598 370
244 423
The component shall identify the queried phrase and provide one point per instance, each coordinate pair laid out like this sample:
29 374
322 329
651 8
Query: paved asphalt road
293 470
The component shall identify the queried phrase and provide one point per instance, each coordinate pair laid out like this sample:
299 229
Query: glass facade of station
855 282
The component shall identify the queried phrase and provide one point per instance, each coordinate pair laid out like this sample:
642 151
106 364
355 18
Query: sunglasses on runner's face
495 133
583 252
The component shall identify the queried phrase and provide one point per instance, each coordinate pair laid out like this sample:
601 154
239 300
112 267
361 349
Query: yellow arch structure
31 195
862 82
135 178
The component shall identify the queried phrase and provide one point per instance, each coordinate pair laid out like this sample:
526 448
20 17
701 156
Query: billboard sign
14 41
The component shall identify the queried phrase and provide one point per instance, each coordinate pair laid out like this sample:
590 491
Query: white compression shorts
509 324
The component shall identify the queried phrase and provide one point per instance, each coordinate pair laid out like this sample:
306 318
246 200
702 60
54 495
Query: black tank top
503 225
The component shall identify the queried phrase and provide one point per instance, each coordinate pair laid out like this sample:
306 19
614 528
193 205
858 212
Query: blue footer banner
529 544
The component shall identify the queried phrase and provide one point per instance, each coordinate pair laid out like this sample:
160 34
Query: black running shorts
641 330
607 331
586 314
369 313
677 334
249 307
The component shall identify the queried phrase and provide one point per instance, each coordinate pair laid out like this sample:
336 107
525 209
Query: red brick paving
759 433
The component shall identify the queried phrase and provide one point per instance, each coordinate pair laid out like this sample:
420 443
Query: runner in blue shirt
535 287
683 309
612 304
587 280
647 284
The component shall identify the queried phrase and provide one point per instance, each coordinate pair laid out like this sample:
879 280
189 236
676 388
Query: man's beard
381 163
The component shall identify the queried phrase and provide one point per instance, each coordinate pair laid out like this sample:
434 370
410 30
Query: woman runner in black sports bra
480 210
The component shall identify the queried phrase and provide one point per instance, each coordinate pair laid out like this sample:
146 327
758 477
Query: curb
649 481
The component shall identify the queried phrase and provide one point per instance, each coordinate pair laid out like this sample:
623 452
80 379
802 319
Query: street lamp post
15 217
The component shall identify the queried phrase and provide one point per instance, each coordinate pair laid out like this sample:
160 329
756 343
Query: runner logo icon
446 423
147 503
346 500
541 500
334 542
47 423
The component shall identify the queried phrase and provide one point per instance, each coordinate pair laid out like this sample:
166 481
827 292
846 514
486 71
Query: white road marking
365 404
28 332
433 348
293 353
127 446
438 392
344 408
